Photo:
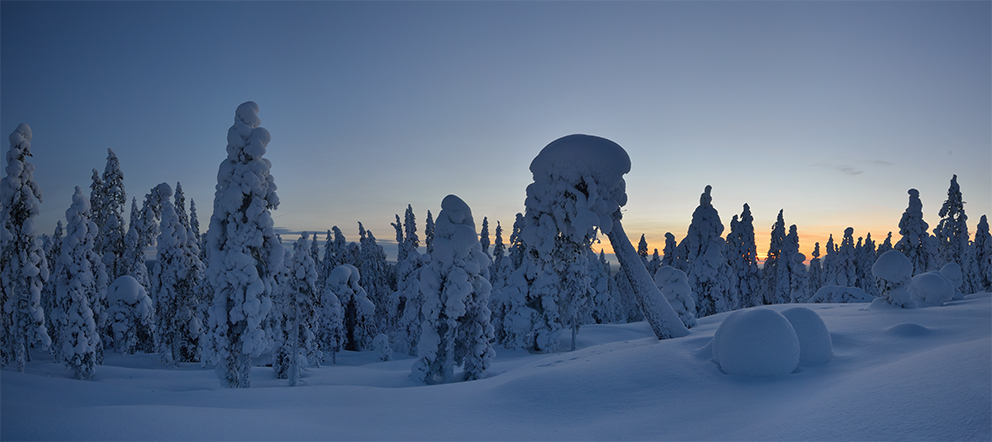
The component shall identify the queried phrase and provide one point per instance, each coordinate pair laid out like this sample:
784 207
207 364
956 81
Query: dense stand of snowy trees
235 297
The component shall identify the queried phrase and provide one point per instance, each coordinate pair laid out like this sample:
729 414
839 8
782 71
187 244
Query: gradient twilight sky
828 110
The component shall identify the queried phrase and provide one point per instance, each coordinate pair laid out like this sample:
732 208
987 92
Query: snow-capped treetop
454 230
893 266
573 157
20 172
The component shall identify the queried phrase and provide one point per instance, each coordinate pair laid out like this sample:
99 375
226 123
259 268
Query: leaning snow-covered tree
174 282
578 189
23 264
79 272
455 286
244 251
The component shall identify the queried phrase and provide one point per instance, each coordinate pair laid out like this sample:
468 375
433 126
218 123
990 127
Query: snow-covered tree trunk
23 264
665 323
244 251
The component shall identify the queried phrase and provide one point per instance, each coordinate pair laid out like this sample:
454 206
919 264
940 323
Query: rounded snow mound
931 288
575 156
814 340
952 271
756 342
344 275
908 329
893 266
20 135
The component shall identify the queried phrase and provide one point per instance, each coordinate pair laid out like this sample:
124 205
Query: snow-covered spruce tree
23 264
654 263
330 328
742 256
373 268
484 237
141 234
670 251
79 270
674 284
429 233
299 343
194 225
864 258
358 311
244 252
131 313
983 256
52 253
828 263
773 294
110 217
798 273
406 301
952 236
175 279
846 265
815 271
642 250
317 264
600 309
708 268
334 252
455 287
915 238
496 274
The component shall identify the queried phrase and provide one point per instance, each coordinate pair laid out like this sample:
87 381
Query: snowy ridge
921 374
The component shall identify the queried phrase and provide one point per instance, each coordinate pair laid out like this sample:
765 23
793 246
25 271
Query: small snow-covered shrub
829 294
380 345
814 339
931 288
756 342
894 270
952 271
130 311
674 284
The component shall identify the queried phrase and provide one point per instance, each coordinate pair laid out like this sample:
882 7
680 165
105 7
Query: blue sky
828 110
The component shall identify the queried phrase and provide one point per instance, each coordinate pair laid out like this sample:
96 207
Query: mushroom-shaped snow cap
893 266
575 156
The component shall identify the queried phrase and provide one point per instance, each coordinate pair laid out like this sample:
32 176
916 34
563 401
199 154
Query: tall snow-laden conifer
357 310
952 236
23 264
175 279
79 271
815 271
244 251
770 271
110 218
429 233
983 256
708 268
915 240
373 268
742 256
864 259
642 250
484 237
670 250
455 287
406 301
798 276
48 292
299 314
885 246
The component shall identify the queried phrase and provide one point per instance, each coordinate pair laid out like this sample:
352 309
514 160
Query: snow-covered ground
920 374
